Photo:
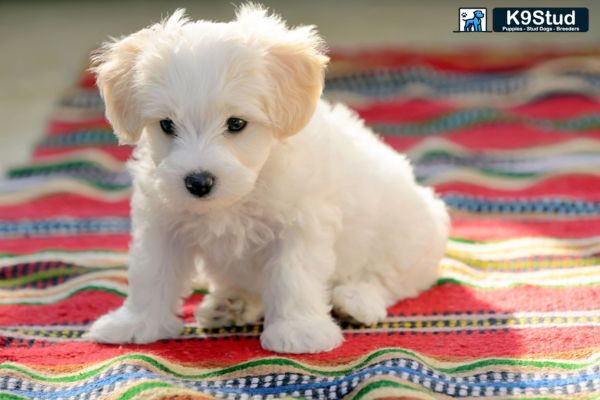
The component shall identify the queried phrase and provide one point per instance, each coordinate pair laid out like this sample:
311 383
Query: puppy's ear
297 68
296 65
114 65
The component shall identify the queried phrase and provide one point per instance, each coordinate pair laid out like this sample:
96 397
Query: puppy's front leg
158 270
296 295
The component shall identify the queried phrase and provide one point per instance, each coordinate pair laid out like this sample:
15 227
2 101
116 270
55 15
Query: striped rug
511 141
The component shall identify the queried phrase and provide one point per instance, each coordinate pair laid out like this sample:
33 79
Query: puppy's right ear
114 66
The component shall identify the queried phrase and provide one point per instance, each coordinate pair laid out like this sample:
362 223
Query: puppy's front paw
217 310
123 326
301 336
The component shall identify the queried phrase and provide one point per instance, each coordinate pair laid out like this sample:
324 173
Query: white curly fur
310 209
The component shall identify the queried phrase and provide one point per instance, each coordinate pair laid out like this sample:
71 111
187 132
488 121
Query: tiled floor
43 44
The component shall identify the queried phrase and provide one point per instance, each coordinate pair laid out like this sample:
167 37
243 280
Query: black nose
199 184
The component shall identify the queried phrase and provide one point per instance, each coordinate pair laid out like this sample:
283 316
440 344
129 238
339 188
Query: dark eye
235 125
167 126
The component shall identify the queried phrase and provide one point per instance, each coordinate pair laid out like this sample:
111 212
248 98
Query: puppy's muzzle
200 184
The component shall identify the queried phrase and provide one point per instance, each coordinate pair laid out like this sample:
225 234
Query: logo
472 19
541 19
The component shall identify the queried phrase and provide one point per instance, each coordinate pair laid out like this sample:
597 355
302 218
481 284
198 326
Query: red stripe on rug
119 153
80 308
573 186
420 110
488 228
60 127
559 107
79 242
462 299
412 110
473 59
87 80
63 204
464 346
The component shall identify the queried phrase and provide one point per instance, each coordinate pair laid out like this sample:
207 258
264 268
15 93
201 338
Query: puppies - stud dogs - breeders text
291 206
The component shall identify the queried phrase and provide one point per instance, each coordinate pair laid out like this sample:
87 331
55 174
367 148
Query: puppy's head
209 100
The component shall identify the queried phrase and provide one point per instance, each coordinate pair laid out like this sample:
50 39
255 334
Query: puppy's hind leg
227 308
363 301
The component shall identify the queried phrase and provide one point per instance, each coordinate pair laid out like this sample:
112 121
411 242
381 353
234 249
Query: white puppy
292 204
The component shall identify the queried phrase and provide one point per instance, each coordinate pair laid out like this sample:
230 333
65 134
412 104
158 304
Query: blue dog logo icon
472 19
473 24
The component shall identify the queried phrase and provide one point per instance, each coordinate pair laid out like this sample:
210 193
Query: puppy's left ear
296 65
